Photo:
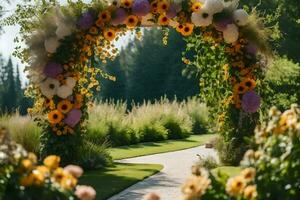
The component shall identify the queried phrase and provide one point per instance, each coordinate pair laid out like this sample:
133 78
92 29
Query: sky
7 44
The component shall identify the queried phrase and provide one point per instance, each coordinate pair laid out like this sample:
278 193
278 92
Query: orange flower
131 21
105 16
154 7
163 20
179 28
249 83
109 34
240 88
196 6
55 117
187 29
93 30
126 3
163 6
99 23
64 106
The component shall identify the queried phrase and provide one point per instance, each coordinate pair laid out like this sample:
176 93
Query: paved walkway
166 183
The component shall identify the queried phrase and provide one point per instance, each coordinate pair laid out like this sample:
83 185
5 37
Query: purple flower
73 118
222 24
251 49
119 16
172 12
141 7
52 69
86 21
251 102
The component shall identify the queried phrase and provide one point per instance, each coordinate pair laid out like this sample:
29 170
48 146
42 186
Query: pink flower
151 196
73 118
75 170
84 192
119 16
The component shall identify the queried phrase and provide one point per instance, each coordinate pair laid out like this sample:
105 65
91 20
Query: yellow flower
105 16
32 157
179 28
187 29
195 187
131 21
240 88
126 3
68 182
64 106
43 170
109 34
163 20
248 174
196 6
55 117
235 185
250 192
26 164
99 23
163 6
52 162
38 177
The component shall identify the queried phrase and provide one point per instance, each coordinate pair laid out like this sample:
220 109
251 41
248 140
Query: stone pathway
167 183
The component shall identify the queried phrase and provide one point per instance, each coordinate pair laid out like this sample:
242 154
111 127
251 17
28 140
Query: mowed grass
150 148
229 170
112 180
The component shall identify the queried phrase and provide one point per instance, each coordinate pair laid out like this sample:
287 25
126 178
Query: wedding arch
64 43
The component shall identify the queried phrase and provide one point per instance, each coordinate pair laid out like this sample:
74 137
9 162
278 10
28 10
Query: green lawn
229 170
159 147
112 180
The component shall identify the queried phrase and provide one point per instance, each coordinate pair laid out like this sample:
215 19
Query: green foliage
283 16
94 156
282 84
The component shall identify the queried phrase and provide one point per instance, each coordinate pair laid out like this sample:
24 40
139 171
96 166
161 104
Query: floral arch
64 43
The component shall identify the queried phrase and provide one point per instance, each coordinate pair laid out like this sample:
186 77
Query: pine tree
18 84
9 97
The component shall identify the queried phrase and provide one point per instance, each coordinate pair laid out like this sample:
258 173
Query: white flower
49 87
71 82
202 18
240 17
64 91
51 44
231 33
213 6
63 30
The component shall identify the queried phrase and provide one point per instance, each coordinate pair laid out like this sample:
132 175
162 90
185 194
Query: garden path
167 183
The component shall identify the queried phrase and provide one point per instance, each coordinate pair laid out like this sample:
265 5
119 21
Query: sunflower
249 83
93 30
126 3
163 6
196 6
179 28
154 7
105 16
48 102
163 20
55 117
187 29
109 34
131 21
64 106
240 88
248 174
250 192
99 23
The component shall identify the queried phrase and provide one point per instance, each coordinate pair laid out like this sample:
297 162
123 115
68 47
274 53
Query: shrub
23 130
94 156
199 114
151 132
